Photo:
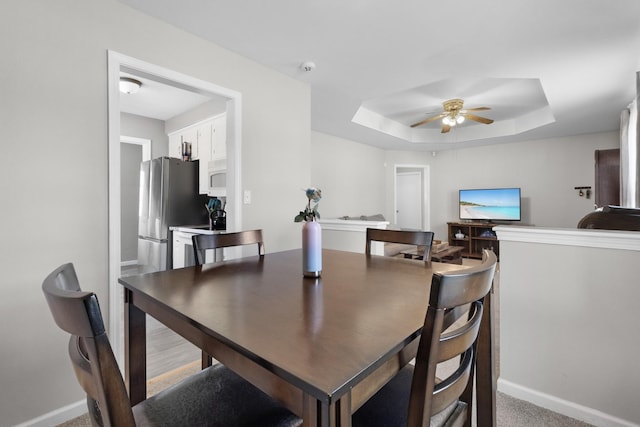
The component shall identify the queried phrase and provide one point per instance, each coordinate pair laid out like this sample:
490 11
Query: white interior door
409 200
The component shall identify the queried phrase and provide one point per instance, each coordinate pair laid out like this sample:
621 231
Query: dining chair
203 242
212 397
418 238
415 397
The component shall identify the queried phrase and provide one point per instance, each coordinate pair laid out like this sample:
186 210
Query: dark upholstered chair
202 242
418 238
212 397
415 397
612 218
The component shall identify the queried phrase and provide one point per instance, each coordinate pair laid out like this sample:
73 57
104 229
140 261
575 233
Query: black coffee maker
218 220
217 214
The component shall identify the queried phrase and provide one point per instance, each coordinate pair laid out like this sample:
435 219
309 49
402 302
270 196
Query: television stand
477 236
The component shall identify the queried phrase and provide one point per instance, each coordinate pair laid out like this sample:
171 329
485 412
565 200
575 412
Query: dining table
320 346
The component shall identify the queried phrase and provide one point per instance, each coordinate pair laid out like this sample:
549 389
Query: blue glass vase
311 249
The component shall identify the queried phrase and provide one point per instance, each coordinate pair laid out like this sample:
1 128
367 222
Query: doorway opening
117 64
412 197
133 150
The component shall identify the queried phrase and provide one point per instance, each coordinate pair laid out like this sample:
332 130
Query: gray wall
211 108
58 158
57 145
568 324
130 158
350 175
546 170
357 179
147 128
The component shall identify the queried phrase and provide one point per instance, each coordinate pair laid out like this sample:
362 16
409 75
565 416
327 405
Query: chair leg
206 360
486 384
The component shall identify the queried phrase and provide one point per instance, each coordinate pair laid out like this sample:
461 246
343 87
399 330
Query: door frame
116 62
426 192
143 142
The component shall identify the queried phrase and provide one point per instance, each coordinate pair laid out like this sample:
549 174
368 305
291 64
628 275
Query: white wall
53 178
546 170
351 176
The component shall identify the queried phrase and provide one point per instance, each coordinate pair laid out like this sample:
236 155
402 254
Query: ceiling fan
454 114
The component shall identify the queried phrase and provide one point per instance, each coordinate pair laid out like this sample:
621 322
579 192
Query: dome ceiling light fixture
129 85
453 114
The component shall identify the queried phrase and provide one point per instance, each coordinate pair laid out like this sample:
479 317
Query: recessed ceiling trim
516 106
375 121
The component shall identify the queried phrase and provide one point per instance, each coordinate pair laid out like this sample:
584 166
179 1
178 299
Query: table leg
318 414
310 411
342 411
485 369
135 350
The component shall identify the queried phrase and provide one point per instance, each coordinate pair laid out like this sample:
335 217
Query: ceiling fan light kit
453 119
454 114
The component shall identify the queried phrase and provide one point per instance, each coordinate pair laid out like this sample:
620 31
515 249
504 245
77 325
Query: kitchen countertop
195 229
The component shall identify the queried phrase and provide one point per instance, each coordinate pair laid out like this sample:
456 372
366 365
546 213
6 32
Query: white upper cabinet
219 138
208 140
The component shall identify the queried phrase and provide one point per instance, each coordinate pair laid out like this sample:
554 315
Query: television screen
490 204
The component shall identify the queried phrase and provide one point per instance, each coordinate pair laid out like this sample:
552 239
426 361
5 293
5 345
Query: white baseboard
128 263
561 406
58 416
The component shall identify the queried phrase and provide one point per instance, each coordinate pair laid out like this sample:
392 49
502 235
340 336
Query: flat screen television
490 204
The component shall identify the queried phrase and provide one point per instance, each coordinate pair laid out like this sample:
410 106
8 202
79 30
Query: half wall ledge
568 312
590 238
350 235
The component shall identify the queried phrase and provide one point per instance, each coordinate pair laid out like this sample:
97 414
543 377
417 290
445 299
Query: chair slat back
418 238
78 313
450 390
452 289
203 242
455 342
449 291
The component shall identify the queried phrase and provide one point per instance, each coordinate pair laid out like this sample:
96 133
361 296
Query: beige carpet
510 412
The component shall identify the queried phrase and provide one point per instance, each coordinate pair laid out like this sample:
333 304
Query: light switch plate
247 197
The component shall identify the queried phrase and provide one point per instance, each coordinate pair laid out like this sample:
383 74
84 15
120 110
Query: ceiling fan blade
478 118
445 128
428 120
476 109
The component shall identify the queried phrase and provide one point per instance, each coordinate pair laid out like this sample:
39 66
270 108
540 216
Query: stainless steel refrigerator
168 197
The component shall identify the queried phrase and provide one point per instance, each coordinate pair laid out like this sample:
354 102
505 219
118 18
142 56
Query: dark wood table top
322 335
